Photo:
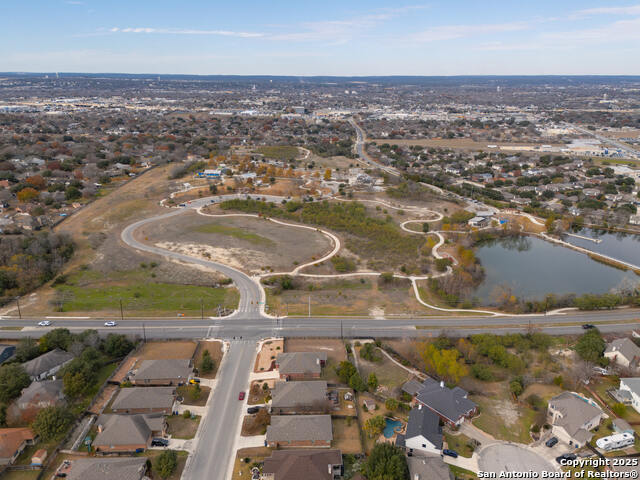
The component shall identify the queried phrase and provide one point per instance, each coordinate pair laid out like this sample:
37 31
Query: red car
241 396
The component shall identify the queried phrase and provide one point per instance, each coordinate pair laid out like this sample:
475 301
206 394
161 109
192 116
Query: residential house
13 441
127 433
620 425
35 397
47 364
300 431
423 433
572 416
478 222
300 365
632 388
429 468
450 404
145 400
162 372
623 352
6 352
306 464
127 468
299 397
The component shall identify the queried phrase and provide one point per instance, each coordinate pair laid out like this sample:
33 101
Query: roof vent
442 384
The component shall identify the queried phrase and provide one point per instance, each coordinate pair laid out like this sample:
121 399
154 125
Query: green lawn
492 421
234 232
282 152
460 443
146 297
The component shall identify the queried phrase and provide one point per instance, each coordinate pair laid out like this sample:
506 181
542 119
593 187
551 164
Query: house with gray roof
623 352
429 468
572 416
35 397
127 433
145 400
423 432
303 464
300 365
47 364
630 388
127 468
162 372
300 431
450 404
299 397
412 387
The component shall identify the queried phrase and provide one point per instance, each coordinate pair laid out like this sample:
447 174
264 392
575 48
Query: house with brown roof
127 433
300 365
162 372
299 397
145 400
303 464
300 431
35 397
13 441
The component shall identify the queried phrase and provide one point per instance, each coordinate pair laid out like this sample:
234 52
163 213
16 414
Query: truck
614 442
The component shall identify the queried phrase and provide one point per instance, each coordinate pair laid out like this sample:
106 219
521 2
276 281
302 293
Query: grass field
346 435
182 459
390 376
77 296
166 350
188 392
215 351
241 467
279 152
184 428
503 420
460 443
233 232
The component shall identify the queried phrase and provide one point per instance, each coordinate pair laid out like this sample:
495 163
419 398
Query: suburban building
632 388
300 365
429 468
300 431
127 433
47 364
572 416
13 441
623 352
6 352
479 222
306 464
423 432
299 397
162 372
128 468
450 404
145 400
34 398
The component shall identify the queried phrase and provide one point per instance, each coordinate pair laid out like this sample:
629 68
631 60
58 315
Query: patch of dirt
507 410
267 355
335 349
167 350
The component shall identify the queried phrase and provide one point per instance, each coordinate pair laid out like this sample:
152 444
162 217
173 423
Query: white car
44 323
110 324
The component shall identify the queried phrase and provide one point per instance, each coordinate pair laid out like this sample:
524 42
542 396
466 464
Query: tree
117 345
27 194
327 174
443 362
425 227
372 381
52 422
56 338
370 353
386 462
166 463
357 383
375 425
619 409
591 346
391 404
27 349
72 193
345 371
207 365
13 379
516 386
74 384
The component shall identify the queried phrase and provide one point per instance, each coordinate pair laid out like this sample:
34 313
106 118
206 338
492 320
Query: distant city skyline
354 38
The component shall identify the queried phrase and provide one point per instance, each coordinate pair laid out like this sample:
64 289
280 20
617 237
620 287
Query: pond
531 268
623 246
390 427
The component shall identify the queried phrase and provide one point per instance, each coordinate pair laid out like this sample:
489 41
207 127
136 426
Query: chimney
419 406
100 428
441 384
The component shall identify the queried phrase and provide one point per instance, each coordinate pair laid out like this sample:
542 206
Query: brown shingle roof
12 438
299 428
302 464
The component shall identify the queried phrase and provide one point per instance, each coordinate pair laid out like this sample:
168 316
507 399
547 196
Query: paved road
214 455
503 457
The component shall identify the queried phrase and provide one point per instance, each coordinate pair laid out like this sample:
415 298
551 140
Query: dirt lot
346 435
257 394
188 392
215 351
334 349
390 376
180 427
124 369
166 350
250 427
241 468
267 355
251 244
105 397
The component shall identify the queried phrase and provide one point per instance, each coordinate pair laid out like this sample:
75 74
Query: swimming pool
390 427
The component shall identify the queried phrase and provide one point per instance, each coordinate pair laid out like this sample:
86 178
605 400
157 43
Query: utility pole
201 309
121 311
309 306
18 303
144 333
341 332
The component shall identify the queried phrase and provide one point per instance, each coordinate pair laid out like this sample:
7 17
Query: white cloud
452 32
589 12
182 31
622 30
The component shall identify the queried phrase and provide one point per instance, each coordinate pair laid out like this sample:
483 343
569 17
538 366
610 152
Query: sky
347 37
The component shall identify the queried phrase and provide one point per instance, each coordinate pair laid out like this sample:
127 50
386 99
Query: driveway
507 457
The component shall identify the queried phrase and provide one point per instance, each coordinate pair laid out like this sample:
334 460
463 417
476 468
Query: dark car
450 453
159 442
252 410
588 326
551 442
566 456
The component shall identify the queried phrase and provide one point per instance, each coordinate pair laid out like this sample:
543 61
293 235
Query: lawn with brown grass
167 350
191 397
184 428
346 435
215 351
242 467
